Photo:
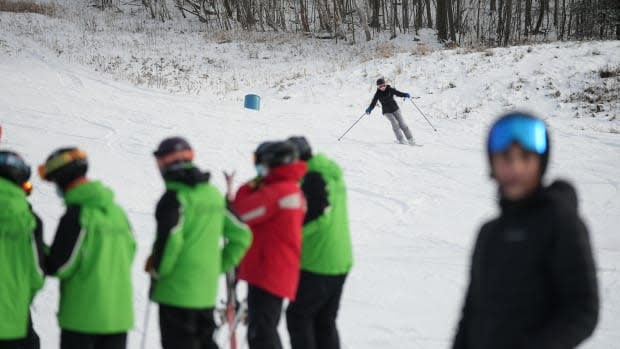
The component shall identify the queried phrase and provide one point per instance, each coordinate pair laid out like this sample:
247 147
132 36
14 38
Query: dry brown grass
421 50
26 7
386 50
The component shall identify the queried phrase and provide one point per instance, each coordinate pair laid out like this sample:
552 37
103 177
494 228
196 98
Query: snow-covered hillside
414 210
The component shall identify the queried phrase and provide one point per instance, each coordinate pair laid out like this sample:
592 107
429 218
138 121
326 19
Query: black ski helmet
380 81
278 153
172 154
13 167
260 151
303 147
544 157
171 145
64 166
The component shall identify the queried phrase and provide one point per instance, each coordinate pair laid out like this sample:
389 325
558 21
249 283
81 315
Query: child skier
274 208
21 254
188 254
92 254
327 253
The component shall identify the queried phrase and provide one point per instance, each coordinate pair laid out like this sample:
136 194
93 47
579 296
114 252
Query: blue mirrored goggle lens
530 133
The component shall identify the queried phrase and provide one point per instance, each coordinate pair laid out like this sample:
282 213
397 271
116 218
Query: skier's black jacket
533 279
315 191
388 104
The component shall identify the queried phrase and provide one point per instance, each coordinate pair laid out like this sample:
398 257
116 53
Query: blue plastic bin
252 102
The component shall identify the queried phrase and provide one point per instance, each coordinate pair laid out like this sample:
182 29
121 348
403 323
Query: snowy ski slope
414 210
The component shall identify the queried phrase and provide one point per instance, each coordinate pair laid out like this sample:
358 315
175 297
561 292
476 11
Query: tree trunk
459 18
282 15
384 14
441 20
478 20
405 16
149 6
363 19
500 23
451 22
376 8
327 15
429 14
419 14
563 23
303 16
338 31
528 17
508 22
541 14
394 20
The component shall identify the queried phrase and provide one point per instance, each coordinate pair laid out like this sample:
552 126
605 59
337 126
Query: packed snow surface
414 210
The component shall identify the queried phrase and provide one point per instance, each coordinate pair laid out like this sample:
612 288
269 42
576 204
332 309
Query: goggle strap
61 160
182 155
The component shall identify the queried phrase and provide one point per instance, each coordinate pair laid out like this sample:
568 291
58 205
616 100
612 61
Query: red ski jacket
275 211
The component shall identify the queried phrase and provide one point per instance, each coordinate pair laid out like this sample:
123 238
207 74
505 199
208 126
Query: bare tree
363 15
490 22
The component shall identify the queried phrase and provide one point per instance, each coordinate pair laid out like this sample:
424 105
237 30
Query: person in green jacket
187 258
326 257
21 254
92 254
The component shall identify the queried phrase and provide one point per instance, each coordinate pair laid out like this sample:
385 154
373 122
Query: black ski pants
30 342
186 328
79 340
264 310
311 318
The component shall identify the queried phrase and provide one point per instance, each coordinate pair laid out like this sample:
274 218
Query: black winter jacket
388 104
533 279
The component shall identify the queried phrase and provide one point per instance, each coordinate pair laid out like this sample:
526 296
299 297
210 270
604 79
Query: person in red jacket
274 208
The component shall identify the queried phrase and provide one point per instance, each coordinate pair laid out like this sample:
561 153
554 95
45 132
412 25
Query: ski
231 307
409 144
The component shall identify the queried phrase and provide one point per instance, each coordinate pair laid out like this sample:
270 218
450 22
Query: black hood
188 176
564 194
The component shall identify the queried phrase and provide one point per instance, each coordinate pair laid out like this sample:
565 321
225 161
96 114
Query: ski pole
349 129
147 314
412 102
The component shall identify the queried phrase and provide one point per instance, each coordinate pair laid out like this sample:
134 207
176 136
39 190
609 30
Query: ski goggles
60 160
529 132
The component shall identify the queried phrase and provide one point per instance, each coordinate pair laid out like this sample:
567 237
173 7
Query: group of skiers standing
296 196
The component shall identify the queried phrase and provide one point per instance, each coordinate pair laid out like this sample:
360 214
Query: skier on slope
533 279
92 254
274 208
187 259
327 255
385 94
21 254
